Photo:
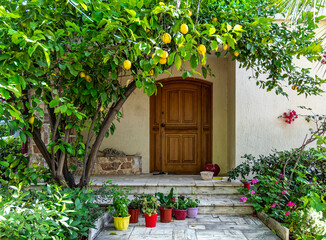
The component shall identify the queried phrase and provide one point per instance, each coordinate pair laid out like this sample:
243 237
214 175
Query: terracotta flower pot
151 220
134 213
165 214
180 214
192 212
246 184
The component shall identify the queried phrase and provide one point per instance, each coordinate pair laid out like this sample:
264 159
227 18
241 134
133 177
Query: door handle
162 124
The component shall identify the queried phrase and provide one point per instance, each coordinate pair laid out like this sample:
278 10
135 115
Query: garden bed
275 226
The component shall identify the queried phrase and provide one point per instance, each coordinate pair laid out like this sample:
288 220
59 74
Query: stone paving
205 227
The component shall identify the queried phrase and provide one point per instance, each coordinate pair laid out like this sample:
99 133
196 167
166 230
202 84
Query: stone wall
118 165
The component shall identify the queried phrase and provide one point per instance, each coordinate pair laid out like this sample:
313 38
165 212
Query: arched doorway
181 126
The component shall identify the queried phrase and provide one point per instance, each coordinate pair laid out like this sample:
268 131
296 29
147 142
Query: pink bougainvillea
255 180
290 204
284 192
290 116
243 199
252 192
275 204
287 214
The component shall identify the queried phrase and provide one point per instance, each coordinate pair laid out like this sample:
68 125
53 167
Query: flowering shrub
309 225
290 116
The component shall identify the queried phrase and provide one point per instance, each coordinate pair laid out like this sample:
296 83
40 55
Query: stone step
216 204
182 185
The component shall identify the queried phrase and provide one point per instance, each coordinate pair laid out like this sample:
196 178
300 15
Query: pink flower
252 192
281 175
290 204
275 182
243 199
287 214
284 192
255 180
275 204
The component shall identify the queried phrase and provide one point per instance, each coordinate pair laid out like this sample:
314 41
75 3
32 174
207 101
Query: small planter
165 215
180 214
121 223
151 220
246 184
192 212
134 213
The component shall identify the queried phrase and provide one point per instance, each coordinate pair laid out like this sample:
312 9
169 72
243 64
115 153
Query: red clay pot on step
151 220
246 184
134 213
180 214
165 215
213 168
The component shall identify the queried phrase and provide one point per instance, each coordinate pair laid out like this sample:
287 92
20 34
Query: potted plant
245 182
149 207
180 211
166 205
119 209
192 207
133 209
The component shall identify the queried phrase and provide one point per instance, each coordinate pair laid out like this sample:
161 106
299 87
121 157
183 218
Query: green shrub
49 212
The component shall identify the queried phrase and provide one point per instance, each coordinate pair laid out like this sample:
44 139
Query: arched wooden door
181 126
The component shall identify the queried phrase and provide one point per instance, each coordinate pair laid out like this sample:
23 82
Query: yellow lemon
225 47
82 75
236 53
165 54
127 64
31 120
166 38
190 13
294 87
184 28
151 72
101 109
214 19
88 78
201 49
163 61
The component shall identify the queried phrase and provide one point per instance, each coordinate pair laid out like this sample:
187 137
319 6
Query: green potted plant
133 209
149 207
192 207
180 211
243 170
119 208
166 205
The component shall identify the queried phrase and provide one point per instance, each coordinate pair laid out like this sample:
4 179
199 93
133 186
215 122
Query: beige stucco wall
258 128
132 134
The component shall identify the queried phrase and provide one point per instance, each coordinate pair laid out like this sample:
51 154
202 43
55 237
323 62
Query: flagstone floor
205 227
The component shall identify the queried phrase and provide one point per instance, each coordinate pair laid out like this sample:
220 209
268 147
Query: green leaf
3 163
54 103
139 84
204 71
22 136
171 58
194 61
177 61
214 45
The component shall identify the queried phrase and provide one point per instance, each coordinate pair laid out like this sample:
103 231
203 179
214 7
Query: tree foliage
69 58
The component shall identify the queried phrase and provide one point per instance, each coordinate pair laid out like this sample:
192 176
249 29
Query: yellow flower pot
121 223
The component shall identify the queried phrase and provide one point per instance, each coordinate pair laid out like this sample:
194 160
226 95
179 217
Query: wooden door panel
173 107
189 149
190 107
181 127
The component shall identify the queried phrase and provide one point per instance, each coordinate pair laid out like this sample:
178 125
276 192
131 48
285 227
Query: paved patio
205 227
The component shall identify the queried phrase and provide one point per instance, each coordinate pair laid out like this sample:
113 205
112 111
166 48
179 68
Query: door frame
152 117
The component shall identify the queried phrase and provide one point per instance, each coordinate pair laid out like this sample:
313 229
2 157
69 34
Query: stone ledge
272 224
99 223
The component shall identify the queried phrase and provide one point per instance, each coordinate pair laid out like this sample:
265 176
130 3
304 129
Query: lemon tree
68 59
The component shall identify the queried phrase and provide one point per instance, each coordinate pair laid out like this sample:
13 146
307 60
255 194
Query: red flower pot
134 213
151 220
165 215
213 168
246 184
180 214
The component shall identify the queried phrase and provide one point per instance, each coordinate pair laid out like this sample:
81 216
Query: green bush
49 212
